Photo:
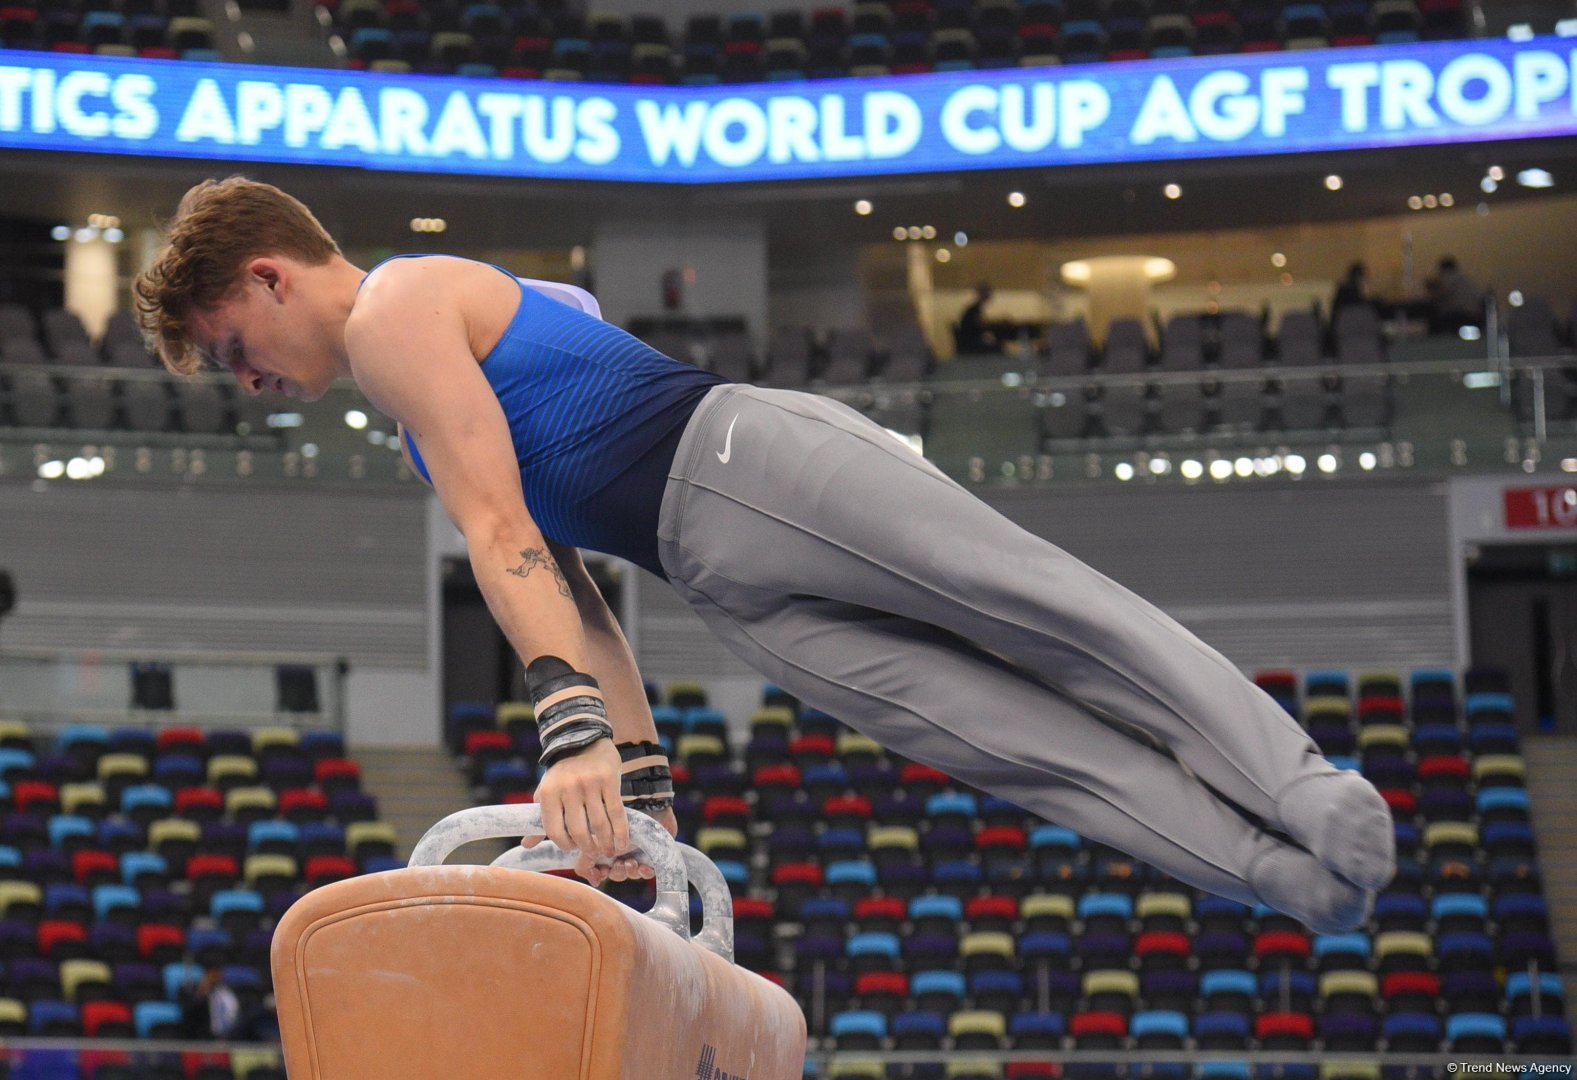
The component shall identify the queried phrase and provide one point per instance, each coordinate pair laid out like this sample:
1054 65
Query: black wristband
569 709
645 779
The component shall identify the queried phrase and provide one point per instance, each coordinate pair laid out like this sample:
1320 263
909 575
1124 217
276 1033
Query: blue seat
200 939
61 895
704 718
956 872
944 803
844 1024
1449 905
144 797
14 759
1553 1034
1501 798
936 907
1437 739
872 944
1333 683
242 976
841 840
832 774
1520 984
1044 945
1053 836
1345 762
1499 834
226 901
178 974
44 1015
1223 1070
950 983
108 898
1484 702
736 873
917 1025
1158 1022
1424 1027
63 827
147 1015
851 872
316 744
1118 905
1475 1026
326 835
1211 906
178 770
996 983
1226 981
116 834
1273 983
75 735
1353 944
10 858
1029 1025
1528 907
1228 1025
134 864
271 830
825 909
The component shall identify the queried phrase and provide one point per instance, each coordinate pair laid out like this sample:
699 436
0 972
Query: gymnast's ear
270 272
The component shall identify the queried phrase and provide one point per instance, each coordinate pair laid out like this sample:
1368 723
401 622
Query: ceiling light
1191 469
1515 298
1447 199
82 236
428 225
1488 185
1122 471
1496 173
1367 460
52 470
899 232
1430 202
1015 199
114 235
1295 464
1327 463
960 238
915 232
928 231
1160 466
1535 178
355 419
943 255
1173 191
1243 466
61 233
862 207
1220 469
1415 203
1333 182
1278 260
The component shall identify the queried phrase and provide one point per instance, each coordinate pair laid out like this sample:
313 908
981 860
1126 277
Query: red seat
86 863
95 1014
726 807
879 907
513 797
1410 982
1400 800
154 936
26 793
183 737
1001 837
1281 943
796 874
1155 942
52 933
321 869
1277 683
298 804
855 806
1298 1025
481 740
218 866
198 798
1033 1070
882 982
1436 765
750 907
193 1060
1381 708
990 907
820 747
915 773
1098 1023
776 776
328 769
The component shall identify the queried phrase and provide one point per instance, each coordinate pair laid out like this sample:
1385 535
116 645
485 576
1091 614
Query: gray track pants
854 574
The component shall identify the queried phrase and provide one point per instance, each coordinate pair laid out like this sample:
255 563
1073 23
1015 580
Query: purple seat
1349 1031
136 981
1221 949
24 830
283 772
18 938
33 979
1169 989
348 806
928 950
1519 948
223 838
164 906
112 942
44 866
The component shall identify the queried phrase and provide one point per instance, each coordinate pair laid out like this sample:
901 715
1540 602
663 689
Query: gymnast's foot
1342 820
1290 880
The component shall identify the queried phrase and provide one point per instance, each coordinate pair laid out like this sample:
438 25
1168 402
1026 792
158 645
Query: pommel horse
441 972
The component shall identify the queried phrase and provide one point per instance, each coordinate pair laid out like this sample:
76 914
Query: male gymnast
834 560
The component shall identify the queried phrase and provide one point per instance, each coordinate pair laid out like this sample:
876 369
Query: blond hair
219 226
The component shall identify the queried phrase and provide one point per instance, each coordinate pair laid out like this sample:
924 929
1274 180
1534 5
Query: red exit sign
1541 507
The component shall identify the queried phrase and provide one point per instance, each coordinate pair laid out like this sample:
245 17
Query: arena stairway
1552 765
419 786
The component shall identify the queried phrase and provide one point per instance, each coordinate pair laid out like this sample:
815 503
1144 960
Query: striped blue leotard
596 417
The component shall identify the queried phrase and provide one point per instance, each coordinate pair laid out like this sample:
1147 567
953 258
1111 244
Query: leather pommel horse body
494 972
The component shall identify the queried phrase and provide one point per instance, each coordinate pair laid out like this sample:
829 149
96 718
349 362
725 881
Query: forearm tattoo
533 558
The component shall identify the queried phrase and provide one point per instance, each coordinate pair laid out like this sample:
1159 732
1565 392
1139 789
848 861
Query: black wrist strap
645 779
570 712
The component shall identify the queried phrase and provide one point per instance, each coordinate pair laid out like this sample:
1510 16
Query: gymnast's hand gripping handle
653 847
717 903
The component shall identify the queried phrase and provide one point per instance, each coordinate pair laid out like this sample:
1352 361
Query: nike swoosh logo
728 442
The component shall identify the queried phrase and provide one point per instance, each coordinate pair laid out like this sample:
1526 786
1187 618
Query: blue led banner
1270 103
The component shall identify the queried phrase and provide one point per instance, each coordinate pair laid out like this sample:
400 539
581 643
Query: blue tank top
596 416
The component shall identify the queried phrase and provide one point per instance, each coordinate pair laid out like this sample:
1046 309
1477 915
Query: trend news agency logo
706 1068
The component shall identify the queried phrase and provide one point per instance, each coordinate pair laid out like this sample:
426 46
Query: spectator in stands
1455 300
1354 289
847 569
210 1009
971 335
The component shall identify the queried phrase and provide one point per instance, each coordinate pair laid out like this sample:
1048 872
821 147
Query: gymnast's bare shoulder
434 289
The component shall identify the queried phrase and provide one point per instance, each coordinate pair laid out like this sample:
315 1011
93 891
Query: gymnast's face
267 333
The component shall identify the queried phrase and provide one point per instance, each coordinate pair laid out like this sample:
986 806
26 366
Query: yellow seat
246 1062
691 745
857 1069
265 866
977 1022
264 738
1047 905
81 797
1111 982
19 892
972 1070
230 767
390 67
880 837
368 832
1353 1070
173 830
12 1011
74 973
1410 942
250 798
772 716
127 765
1499 765
1156 904
15 733
986 943
686 690
1350 982
852 742
511 712
1450 832
1327 706
716 837
1382 735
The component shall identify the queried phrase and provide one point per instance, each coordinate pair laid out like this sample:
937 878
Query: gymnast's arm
409 353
